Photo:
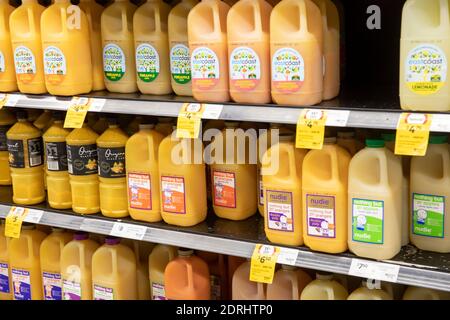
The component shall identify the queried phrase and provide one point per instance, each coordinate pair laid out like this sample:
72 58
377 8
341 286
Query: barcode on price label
126 230
374 270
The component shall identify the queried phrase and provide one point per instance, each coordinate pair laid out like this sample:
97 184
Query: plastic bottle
324 196
5 270
375 213
25 265
296 42
367 293
141 158
346 139
118 47
8 81
7 119
324 288
157 261
288 284
187 277
249 51
112 173
26 158
51 249
164 126
76 271
83 168
218 274
430 192
424 52
101 125
416 293
180 59
243 288
207 33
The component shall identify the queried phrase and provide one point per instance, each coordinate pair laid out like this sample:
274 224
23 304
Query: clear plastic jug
288 284
366 292
7 119
416 293
8 81
324 288
243 288
157 261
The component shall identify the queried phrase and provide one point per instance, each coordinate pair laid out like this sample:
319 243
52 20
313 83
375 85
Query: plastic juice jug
164 126
368 293
83 168
141 158
93 12
100 125
430 192
288 284
346 139
424 54
118 47
243 288
25 265
157 261
416 293
324 193
395 290
296 41
7 119
112 173
282 192
375 212
180 60
51 249
232 264
5 270
26 158
152 47
8 81
207 33
187 277
183 181
218 274
324 288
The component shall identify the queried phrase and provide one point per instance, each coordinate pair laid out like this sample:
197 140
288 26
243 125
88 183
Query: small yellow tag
264 260
3 99
311 129
413 131
77 112
190 120
14 221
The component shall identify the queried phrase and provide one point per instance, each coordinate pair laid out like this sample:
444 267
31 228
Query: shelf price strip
190 118
413 131
8 100
129 231
78 108
16 216
374 270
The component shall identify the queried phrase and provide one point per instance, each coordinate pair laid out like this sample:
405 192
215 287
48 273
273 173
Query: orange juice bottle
324 189
288 284
243 288
164 126
83 168
218 274
296 41
76 262
157 261
101 125
152 47
26 158
187 277
324 288
7 119
249 51
8 81
365 292
25 265
118 47
5 270
112 174
180 60
207 33
141 158
346 139
25 31
51 249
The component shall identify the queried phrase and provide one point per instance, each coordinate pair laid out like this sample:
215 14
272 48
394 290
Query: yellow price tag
77 112
264 260
190 120
14 221
311 129
413 131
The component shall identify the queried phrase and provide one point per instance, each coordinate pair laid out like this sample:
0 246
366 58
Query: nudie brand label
52 286
25 64
280 215
173 194
4 278
321 218
21 284
180 64
56 156
82 160
71 290
428 215
2 62
103 293
368 221
140 191
224 189
111 162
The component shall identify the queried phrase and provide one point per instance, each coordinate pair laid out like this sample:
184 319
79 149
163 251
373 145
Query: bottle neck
61 1
28 1
191 2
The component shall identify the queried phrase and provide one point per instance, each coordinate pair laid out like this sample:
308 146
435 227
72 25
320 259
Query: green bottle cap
438 139
388 137
374 143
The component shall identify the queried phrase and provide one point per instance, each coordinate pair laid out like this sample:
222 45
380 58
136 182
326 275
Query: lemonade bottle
243 288
118 47
8 81
324 288
180 60
164 126
249 51
416 293
296 41
112 174
288 284
366 292
157 261
101 125
207 33
83 168
5 270
346 139
7 119
26 160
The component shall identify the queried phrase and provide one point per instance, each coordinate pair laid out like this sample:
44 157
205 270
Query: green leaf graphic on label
368 221
113 62
147 62
428 215
180 64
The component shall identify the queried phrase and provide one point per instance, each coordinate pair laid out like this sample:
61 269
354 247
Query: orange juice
218 274
5 270
7 119
8 81
243 288
288 284
157 261
164 126
324 288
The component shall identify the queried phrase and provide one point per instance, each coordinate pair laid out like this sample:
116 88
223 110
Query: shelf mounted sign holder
413 131
78 109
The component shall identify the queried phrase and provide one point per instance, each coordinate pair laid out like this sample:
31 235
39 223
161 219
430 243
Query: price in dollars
264 260
311 129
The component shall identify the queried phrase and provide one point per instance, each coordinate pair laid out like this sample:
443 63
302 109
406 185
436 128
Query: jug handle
445 168
30 247
295 295
124 21
63 15
384 179
304 19
334 165
114 261
190 275
260 287
330 292
445 22
216 17
257 15
157 20
31 19
292 165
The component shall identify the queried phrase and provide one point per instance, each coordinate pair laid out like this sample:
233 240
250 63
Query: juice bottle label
111 162
224 189
180 64
140 191
205 68
173 194
55 67
2 62
147 62
25 64
21 284
280 210
216 288
288 70
158 291
4 278
3 140
71 290
245 69
103 293
261 189
321 218
82 160
368 221
426 69
52 286
428 215
16 153
56 156
114 65
35 152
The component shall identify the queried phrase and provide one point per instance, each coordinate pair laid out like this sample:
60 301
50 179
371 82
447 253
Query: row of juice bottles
74 266
250 52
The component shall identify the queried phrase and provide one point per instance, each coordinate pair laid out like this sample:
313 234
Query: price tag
337 118
78 108
126 230
413 131
33 216
311 129
374 270
190 120
212 111
263 263
14 221
8 100
288 256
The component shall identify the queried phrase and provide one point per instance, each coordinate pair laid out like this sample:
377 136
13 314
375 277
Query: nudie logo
320 202
278 197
